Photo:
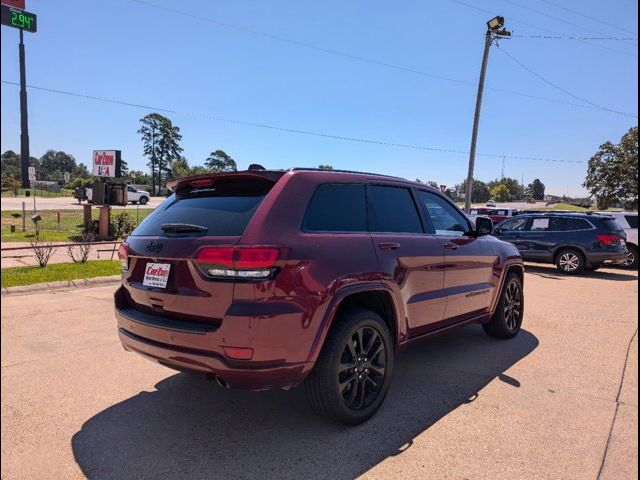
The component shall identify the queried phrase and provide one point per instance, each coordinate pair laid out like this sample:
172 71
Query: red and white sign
104 163
14 4
443 188
156 275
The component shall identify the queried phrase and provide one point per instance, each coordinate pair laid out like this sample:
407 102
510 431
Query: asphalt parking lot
557 402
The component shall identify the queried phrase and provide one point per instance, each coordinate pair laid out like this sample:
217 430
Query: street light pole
494 29
24 121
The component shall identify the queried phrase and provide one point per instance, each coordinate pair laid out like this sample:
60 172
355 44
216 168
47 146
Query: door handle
388 246
451 246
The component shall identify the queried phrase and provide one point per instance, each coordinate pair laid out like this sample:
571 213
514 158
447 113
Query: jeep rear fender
330 314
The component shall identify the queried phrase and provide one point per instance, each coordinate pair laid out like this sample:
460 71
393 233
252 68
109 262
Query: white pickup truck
133 195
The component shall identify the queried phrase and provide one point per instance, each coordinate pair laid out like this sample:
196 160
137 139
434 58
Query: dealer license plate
156 275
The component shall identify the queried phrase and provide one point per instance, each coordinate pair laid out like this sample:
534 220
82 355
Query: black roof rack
311 169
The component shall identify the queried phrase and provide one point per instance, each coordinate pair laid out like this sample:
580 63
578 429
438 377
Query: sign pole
24 121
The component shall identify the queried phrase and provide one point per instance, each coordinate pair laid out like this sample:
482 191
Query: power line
599 20
542 29
359 58
288 130
556 37
561 89
552 17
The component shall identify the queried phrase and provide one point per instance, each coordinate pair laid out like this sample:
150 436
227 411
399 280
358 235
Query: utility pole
24 120
494 30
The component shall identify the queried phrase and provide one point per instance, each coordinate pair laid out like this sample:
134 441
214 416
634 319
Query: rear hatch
162 276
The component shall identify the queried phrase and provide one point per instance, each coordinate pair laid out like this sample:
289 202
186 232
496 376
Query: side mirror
484 226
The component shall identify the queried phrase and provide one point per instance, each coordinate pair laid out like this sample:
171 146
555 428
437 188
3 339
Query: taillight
123 255
607 239
238 262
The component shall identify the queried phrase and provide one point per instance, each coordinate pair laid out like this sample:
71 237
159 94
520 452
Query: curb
63 285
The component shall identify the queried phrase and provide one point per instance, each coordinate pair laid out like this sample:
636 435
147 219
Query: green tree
536 189
170 148
516 190
219 161
198 170
500 193
612 173
160 141
325 167
53 165
179 167
150 131
479 194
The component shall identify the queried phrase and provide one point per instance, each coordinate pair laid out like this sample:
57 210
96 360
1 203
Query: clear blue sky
128 51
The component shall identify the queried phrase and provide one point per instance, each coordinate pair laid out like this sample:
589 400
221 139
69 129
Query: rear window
611 225
221 209
337 208
632 220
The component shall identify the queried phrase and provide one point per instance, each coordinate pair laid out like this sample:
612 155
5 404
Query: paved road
59 203
557 402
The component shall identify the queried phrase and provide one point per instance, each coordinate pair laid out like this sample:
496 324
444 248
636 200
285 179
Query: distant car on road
491 203
574 242
495 214
134 195
629 223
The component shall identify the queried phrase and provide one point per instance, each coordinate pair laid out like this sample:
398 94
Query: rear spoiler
207 178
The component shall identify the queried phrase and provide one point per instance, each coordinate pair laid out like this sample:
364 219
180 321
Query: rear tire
352 374
507 319
570 261
631 261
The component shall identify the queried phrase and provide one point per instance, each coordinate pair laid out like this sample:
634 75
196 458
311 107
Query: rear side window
337 208
569 224
632 220
393 210
611 225
221 209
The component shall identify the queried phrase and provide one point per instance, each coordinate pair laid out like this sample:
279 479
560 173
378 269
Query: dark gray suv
572 241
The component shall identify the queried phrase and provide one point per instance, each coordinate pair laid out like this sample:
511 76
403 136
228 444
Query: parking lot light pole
494 30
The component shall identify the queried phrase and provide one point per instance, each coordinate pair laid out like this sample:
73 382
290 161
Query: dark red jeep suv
265 279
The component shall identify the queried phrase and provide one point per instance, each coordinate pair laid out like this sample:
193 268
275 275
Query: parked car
573 242
495 214
629 223
133 195
266 279
491 203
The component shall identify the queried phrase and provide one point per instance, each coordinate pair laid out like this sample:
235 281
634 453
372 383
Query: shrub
43 251
80 253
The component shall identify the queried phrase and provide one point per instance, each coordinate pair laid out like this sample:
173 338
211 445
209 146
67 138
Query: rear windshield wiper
182 227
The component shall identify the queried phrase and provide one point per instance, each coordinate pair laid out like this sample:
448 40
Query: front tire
143 200
570 261
507 319
352 374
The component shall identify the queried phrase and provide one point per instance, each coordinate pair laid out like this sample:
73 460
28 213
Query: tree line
501 190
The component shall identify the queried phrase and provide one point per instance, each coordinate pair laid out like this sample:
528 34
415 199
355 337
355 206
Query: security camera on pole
495 30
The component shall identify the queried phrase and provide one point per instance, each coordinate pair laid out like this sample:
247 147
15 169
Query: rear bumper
608 257
282 376
197 347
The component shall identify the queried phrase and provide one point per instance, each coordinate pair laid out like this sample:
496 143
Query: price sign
16 18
